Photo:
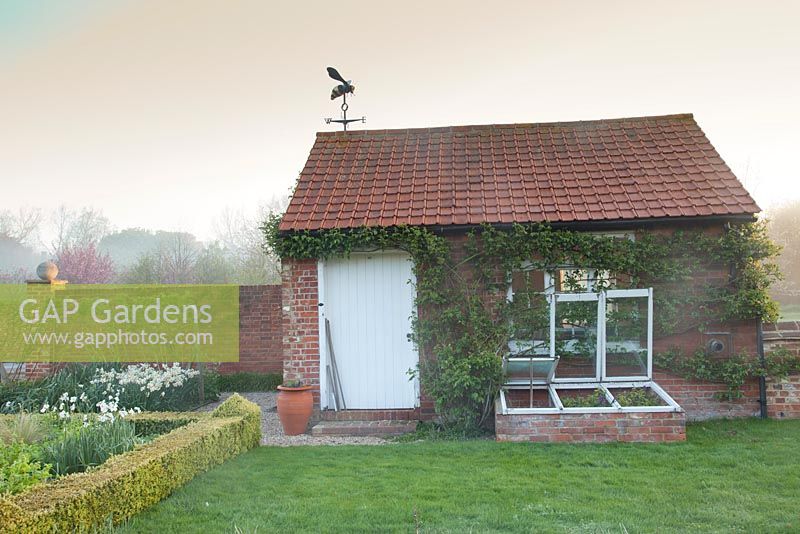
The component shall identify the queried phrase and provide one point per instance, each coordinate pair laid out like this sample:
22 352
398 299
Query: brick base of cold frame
650 427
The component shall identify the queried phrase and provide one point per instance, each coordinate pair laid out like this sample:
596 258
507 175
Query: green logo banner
119 323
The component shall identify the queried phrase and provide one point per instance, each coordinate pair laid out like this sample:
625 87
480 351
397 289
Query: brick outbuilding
622 176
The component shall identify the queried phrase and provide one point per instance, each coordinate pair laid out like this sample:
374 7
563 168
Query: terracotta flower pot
294 408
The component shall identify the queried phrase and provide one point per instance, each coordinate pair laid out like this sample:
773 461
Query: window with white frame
578 280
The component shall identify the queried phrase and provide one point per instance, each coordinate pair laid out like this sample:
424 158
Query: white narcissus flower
106 417
146 378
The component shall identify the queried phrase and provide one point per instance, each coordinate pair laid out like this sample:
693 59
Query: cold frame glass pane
529 316
576 339
626 337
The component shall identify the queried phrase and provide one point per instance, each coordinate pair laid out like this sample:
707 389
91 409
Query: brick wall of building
375 415
701 400
738 336
301 323
301 337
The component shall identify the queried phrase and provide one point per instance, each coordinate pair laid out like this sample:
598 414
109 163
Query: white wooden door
368 299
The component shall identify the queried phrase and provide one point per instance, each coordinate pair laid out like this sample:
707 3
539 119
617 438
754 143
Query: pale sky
162 113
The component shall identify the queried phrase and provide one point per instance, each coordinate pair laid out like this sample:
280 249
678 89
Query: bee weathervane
343 89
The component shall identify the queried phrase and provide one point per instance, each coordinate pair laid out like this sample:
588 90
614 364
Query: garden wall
260 335
783 396
260 331
782 335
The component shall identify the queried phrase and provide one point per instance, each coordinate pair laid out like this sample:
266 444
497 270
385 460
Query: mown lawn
731 476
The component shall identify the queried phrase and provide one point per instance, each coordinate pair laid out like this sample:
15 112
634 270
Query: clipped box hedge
127 484
247 381
148 423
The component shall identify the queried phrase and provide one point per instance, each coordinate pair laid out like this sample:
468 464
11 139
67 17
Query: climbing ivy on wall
464 321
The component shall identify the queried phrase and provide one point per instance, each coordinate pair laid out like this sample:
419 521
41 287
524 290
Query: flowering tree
83 264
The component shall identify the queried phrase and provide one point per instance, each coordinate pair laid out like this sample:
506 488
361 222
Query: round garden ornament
47 271
295 403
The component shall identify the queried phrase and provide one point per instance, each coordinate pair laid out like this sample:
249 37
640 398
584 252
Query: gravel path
272 432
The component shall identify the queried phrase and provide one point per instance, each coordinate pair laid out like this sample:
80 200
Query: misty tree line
784 228
88 251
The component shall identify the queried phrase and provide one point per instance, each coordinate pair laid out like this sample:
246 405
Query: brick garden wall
701 399
782 335
260 335
260 331
37 370
783 396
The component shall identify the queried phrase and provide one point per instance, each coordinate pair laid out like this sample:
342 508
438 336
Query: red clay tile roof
604 170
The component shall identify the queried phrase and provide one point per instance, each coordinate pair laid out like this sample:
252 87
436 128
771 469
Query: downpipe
762 379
